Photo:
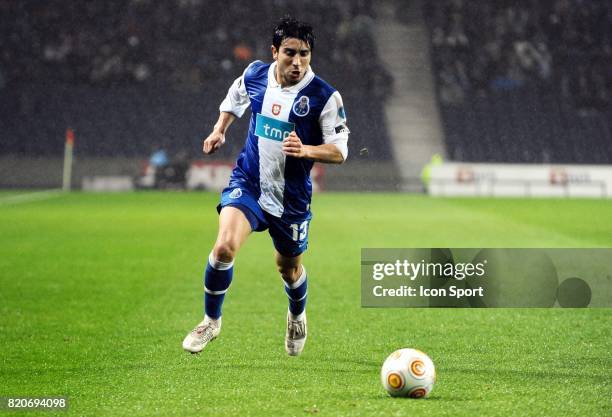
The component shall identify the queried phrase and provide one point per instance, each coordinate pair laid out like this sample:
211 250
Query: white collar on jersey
294 88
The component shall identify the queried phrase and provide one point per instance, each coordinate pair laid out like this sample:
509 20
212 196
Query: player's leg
234 228
294 274
291 240
296 286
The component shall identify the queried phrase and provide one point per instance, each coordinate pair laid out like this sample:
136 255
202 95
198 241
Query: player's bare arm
216 139
326 153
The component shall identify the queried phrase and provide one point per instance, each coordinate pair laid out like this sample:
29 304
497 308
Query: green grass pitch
98 291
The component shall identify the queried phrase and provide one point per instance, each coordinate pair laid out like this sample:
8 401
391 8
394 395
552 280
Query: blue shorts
290 239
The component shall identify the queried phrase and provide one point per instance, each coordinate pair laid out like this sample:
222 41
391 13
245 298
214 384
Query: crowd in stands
177 41
78 62
481 46
525 81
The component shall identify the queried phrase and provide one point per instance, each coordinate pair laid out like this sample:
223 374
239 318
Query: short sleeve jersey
312 108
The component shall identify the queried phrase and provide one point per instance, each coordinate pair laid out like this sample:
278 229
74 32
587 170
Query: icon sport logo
302 106
276 109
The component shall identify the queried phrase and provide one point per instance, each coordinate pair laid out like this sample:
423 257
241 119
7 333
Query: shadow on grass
434 397
280 362
309 367
553 374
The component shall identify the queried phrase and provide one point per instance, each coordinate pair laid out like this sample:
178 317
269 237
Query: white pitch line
29 197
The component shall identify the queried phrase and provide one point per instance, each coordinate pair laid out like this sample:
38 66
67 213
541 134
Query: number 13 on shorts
300 231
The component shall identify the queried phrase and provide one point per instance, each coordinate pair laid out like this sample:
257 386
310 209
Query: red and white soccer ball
408 373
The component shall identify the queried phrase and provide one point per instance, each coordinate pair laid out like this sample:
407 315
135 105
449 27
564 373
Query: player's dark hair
289 27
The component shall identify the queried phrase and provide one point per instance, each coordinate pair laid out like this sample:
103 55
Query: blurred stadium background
453 97
519 82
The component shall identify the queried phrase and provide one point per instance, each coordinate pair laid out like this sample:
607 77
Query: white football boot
198 338
295 337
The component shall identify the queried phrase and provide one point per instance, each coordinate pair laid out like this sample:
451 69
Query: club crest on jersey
236 193
276 109
302 106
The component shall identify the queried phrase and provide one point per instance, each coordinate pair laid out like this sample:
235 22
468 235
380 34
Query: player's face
292 61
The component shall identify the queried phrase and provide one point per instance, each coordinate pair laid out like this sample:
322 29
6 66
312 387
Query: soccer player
297 119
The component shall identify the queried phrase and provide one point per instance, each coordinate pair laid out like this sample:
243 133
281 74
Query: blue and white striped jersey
312 108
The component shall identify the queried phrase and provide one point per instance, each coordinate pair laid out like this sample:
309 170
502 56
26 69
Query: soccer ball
408 373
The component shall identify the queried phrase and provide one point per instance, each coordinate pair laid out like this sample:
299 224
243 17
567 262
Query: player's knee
225 251
289 274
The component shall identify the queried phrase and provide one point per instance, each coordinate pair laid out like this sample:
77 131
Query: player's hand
213 142
293 146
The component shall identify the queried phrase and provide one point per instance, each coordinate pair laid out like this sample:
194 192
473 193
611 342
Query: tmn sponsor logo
273 129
